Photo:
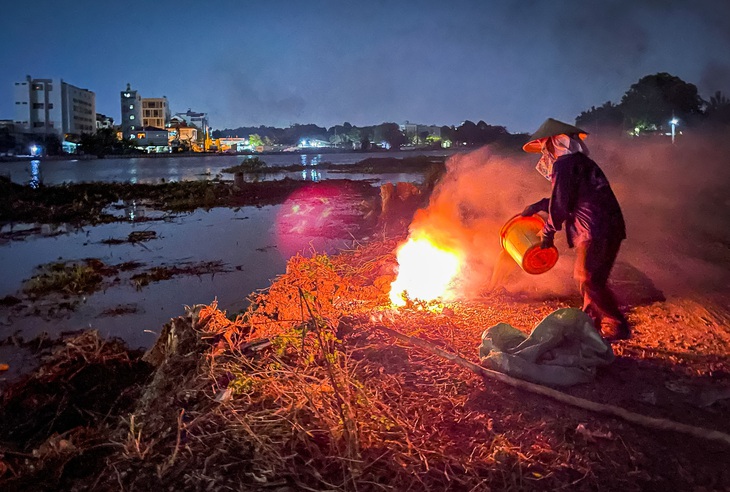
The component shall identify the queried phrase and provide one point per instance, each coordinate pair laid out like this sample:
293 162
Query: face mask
545 164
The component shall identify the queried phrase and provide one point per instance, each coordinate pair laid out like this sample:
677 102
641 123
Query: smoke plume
675 200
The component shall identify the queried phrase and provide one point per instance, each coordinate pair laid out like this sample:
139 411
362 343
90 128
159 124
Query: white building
52 106
131 112
104 121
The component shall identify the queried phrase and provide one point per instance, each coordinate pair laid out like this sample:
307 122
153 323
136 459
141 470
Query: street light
673 122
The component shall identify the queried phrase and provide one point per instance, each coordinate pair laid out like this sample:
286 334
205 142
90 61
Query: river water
184 168
246 240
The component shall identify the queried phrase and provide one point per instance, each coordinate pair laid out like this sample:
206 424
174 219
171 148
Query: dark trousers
593 264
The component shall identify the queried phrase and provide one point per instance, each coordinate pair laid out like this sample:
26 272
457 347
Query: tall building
52 106
131 112
155 112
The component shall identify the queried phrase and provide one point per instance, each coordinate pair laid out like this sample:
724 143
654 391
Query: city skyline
277 63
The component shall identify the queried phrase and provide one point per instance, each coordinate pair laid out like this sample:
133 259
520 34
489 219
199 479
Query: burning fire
425 270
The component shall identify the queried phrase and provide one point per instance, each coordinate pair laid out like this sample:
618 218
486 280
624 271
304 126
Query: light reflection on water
35 174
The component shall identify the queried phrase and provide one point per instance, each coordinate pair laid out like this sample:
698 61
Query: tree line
652 103
647 107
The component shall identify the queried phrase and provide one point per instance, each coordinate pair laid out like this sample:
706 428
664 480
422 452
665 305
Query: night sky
510 63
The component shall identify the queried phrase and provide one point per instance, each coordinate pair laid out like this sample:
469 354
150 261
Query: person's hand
530 210
546 242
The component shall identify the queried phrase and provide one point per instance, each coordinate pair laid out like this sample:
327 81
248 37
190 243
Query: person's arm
538 206
560 200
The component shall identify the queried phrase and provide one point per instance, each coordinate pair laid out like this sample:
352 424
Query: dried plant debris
59 287
132 238
303 392
166 272
371 165
87 203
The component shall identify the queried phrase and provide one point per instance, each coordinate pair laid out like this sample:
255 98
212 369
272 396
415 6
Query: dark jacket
582 199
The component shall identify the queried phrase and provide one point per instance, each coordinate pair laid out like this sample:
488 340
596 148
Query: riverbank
163 155
303 391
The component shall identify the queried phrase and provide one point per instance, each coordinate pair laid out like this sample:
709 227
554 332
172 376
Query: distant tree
365 143
718 109
448 133
52 144
389 132
607 116
354 134
467 133
255 140
104 142
655 99
7 140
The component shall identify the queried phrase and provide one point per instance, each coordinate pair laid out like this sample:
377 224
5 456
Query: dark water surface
245 240
155 169
253 243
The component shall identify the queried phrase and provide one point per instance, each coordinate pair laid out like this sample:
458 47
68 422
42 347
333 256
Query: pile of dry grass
302 393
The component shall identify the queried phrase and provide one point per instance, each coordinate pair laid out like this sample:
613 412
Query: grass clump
74 278
251 165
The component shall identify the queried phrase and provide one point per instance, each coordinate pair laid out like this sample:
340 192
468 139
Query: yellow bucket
520 240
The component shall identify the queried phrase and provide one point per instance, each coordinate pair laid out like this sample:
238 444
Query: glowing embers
426 270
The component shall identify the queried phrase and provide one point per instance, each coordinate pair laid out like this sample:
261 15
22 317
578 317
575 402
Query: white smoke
675 200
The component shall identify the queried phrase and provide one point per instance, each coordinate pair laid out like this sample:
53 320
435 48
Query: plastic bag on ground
564 349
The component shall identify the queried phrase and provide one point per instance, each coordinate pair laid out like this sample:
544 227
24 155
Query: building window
131 116
37 87
50 105
38 124
37 105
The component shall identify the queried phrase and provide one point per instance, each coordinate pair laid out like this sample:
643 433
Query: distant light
674 121
34 150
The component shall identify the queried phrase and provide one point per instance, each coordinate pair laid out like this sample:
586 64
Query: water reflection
36 179
310 175
132 212
311 161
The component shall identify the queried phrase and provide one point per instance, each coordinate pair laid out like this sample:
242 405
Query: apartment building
155 112
52 106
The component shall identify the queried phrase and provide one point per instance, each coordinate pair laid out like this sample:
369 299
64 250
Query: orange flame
426 270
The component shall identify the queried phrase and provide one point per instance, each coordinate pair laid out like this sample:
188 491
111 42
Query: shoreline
323 151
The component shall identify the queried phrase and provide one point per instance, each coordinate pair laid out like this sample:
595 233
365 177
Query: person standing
582 201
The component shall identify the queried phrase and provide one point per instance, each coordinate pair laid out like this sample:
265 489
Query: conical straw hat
551 128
